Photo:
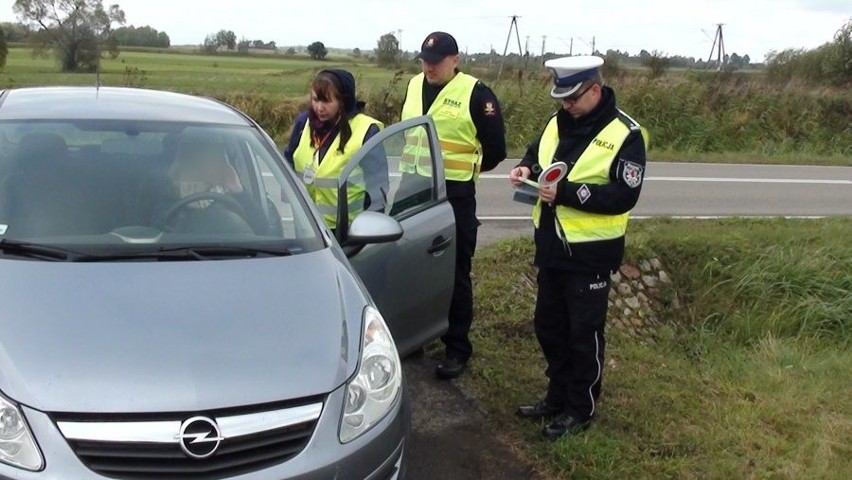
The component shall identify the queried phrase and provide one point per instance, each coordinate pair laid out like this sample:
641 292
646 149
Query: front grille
238 454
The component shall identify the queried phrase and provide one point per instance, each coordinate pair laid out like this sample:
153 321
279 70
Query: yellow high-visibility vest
450 111
323 187
592 168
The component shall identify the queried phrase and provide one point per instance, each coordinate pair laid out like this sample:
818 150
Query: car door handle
439 244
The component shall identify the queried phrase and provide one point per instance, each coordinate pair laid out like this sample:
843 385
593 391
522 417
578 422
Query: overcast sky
673 27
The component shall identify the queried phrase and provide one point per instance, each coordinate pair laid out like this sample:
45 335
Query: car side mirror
373 227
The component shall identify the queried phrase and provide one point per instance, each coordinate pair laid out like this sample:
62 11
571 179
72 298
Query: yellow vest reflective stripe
323 190
450 111
592 168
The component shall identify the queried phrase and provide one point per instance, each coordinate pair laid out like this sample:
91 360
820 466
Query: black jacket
617 197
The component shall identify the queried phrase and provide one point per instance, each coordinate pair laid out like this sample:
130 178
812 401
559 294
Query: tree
837 62
227 39
317 51
76 30
209 45
356 52
4 49
387 50
656 62
16 32
243 45
112 47
141 37
222 38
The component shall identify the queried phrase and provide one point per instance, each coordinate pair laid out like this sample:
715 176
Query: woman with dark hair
326 137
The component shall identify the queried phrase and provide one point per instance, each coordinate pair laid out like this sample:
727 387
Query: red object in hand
553 175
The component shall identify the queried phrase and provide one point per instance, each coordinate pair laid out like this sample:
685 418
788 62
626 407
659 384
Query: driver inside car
202 167
201 171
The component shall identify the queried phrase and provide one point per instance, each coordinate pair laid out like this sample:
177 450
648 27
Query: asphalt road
692 190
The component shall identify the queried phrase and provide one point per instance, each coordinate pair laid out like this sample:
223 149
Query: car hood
176 336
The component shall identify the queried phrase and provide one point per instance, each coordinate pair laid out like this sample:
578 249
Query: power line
513 24
718 47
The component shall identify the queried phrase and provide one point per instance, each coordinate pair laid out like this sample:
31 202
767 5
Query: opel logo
199 437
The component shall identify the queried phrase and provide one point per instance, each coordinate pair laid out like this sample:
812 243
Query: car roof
114 103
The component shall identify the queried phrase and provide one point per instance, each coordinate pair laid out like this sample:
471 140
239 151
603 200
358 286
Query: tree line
80 32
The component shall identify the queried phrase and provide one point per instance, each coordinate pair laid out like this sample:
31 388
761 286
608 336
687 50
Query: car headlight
375 387
17 445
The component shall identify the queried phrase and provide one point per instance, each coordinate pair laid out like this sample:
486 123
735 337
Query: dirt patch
450 438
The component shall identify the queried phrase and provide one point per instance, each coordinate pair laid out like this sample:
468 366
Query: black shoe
450 367
540 409
565 424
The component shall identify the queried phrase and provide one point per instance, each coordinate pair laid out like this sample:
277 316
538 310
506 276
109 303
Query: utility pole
718 47
543 40
571 48
593 45
399 44
513 24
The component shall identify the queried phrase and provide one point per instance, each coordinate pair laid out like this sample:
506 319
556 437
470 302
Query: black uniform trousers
460 317
570 314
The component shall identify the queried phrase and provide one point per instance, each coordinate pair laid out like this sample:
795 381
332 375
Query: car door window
395 176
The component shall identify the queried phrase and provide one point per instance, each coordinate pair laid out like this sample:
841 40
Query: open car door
400 172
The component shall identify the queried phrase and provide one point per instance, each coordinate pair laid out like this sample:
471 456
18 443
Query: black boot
450 367
565 424
540 409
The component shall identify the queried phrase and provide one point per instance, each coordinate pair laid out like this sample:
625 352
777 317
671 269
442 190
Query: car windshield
112 187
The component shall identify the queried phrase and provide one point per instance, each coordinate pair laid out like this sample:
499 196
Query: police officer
579 235
470 128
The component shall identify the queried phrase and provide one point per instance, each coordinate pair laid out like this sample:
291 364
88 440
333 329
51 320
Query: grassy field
691 116
750 378
271 77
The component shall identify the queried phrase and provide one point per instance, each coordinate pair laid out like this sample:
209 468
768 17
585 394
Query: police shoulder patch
632 174
583 193
490 110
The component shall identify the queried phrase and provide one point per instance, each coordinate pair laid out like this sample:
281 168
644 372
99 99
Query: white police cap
570 72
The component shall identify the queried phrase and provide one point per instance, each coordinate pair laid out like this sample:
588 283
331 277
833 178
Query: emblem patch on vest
632 174
583 193
489 109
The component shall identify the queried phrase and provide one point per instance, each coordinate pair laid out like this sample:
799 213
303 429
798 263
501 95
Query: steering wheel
227 201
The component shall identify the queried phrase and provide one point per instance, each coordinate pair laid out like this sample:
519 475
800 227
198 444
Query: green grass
750 378
691 116
215 75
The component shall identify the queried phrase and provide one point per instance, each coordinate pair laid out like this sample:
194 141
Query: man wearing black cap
470 127
579 237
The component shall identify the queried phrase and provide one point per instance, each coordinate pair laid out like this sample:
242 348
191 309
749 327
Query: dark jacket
375 165
617 197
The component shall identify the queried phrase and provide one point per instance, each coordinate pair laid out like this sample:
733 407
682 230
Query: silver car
173 306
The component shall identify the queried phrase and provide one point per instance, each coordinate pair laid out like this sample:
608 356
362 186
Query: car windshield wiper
196 252
205 252
37 250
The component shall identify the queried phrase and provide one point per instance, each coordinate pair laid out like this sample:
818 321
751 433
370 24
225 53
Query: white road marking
498 218
751 180
814 181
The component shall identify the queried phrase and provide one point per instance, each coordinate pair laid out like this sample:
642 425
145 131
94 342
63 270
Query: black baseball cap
437 46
